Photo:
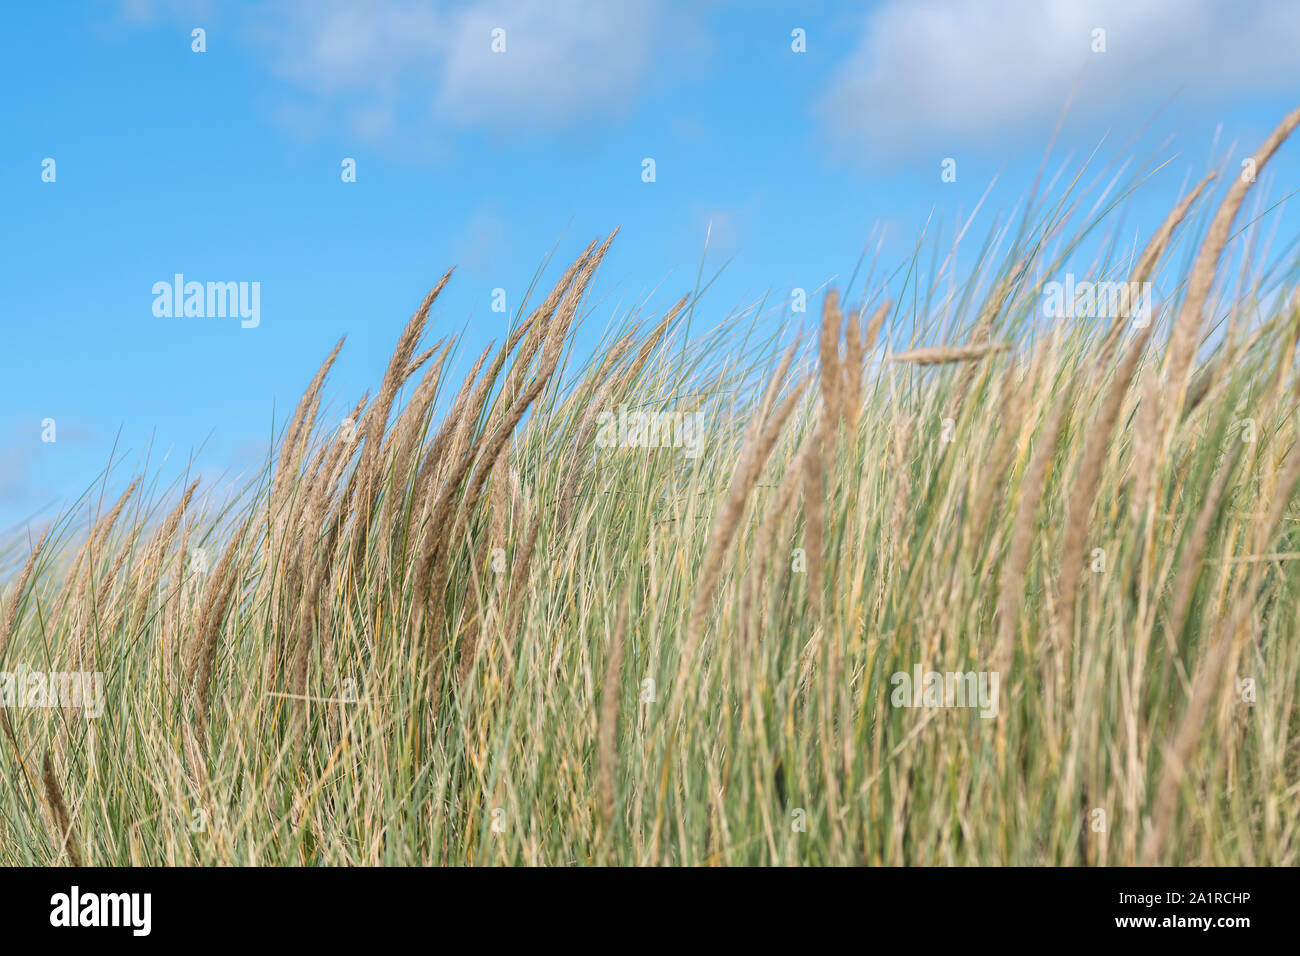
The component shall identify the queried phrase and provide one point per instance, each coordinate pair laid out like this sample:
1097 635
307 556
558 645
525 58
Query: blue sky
225 166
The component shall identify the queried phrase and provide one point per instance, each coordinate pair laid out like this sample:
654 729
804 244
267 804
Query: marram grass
454 625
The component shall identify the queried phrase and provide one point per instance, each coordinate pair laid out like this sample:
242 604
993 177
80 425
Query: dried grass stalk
1087 475
1033 486
16 595
945 354
607 747
59 810
1186 333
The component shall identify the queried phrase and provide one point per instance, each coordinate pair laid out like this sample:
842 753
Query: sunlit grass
459 629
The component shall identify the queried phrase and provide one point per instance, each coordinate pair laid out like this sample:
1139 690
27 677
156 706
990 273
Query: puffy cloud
564 60
930 73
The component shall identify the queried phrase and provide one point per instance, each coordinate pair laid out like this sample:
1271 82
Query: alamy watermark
632 429
133 911
211 300
949 689
1098 300
80 690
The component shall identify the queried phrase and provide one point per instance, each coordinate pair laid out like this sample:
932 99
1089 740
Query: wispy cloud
408 65
930 73
565 59
485 238
17 476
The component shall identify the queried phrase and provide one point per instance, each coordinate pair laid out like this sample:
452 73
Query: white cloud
150 11
564 59
387 63
334 46
935 73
